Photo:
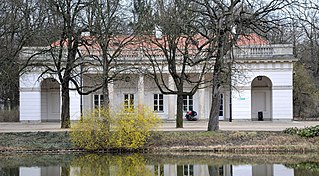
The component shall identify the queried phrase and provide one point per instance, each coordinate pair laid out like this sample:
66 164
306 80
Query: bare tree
67 19
107 21
72 54
307 18
222 23
305 93
306 71
20 21
176 50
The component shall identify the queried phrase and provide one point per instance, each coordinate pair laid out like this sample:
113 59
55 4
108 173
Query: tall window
129 101
188 170
187 103
221 106
158 103
159 170
221 171
98 101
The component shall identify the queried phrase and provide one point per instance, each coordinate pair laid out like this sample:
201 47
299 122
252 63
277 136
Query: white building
262 88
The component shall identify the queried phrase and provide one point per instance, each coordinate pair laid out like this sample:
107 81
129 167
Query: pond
164 164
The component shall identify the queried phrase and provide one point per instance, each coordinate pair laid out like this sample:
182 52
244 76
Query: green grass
223 140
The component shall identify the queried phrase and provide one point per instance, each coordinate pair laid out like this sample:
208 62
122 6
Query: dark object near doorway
191 116
260 116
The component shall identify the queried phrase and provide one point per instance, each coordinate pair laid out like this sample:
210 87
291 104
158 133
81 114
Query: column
171 100
201 111
75 102
111 94
140 89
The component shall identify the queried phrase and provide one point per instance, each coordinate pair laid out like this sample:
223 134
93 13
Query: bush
125 130
92 131
304 132
131 129
309 131
9 115
292 130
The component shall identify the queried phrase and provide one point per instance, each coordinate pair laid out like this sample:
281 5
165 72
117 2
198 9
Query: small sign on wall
241 98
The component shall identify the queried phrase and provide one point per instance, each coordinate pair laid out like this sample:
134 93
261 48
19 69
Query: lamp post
230 94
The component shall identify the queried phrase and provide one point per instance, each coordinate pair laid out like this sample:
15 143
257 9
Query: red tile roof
135 43
251 39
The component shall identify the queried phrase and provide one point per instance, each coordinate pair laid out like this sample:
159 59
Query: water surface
199 164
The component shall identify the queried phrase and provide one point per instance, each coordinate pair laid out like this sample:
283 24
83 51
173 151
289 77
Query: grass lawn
222 141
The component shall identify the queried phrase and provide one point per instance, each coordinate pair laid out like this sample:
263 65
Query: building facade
261 89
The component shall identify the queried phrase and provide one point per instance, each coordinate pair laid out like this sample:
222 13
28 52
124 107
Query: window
221 171
158 103
159 170
129 101
98 101
187 103
188 170
221 107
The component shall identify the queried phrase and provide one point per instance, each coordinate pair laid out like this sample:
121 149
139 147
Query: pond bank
181 141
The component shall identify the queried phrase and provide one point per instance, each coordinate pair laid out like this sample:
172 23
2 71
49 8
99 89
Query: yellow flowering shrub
131 129
123 129
92 131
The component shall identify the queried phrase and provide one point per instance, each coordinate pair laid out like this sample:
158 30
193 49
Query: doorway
261 99
50 100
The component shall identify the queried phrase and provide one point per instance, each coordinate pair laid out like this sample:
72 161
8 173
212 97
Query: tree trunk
213 170
213 123
65 171
179 111
105 91
105 88
65 114
7 104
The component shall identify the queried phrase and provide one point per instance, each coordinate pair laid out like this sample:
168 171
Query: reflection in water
111 165
137 165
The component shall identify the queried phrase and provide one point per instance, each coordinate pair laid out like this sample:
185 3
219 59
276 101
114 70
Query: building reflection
226 170
166 170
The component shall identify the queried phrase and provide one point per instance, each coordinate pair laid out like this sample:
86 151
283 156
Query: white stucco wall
26 171
30 97
242 170
30 105
283 170
74 105
280 75
33 103
282 105
241 104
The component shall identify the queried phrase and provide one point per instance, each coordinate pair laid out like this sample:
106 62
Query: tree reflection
120 165
305 168
65 171
9 171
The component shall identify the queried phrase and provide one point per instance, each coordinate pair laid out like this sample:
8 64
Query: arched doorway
50 100
261 98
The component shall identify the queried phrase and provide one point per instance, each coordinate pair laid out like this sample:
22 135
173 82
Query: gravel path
170 126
